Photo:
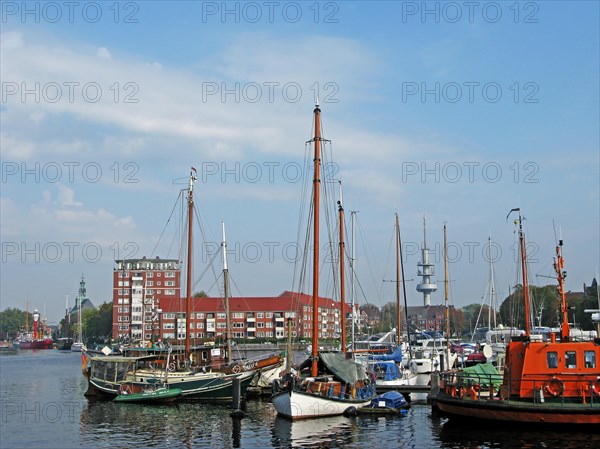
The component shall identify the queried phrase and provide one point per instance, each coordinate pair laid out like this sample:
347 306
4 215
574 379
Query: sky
456 111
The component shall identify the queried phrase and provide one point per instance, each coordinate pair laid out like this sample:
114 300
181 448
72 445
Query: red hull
37 344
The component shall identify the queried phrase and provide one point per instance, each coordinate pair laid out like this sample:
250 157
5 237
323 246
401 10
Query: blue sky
456 114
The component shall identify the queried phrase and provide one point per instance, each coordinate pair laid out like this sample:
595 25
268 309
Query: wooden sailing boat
336 384
107 374
554 382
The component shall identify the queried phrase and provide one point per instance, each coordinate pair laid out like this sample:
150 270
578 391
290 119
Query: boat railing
542 388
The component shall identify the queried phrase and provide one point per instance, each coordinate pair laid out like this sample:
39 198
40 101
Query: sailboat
65 342
554 382
266 368
336 384
108 373
389 370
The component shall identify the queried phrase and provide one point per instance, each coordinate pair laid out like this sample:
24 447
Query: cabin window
589 358
571 359
552 358
110 372
98 369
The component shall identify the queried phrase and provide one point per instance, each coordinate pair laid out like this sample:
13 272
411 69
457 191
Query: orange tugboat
546 382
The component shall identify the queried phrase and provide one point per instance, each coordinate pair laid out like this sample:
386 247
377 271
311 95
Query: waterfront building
148 305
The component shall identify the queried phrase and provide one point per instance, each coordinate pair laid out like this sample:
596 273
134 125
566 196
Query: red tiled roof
286 301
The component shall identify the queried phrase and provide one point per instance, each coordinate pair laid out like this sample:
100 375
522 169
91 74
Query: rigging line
368 261
166 224
389 255
203 233
301 212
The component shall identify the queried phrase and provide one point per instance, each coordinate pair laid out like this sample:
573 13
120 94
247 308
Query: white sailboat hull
303 405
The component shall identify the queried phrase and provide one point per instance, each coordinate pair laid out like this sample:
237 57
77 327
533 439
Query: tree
12 321
97 323
200 294
544 302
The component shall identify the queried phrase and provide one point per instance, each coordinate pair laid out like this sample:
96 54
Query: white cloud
66 197
103 53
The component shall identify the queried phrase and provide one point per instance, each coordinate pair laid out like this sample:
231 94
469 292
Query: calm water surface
42 406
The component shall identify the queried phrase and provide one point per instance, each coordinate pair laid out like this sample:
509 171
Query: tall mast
226 289
342 279
398 314
446 297
526 299
404 289
559 264
188 302
316 197
352 268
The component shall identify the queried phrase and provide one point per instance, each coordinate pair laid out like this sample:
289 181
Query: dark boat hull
510 411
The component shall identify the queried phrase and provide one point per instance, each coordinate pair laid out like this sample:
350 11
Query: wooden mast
226 291
522 245
559 263
316 197
188 302
342 279
398 313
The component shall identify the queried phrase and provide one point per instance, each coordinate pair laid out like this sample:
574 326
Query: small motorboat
389 403
152 394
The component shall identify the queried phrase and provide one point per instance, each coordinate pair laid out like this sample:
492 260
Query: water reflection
181 425
473 435
335 431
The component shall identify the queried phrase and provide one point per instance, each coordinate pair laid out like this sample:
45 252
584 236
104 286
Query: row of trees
545 305
12 322
97 324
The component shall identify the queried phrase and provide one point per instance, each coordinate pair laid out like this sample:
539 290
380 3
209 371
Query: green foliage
200 294
12 321
97 323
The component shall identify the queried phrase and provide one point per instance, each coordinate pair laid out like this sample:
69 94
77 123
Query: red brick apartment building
148 304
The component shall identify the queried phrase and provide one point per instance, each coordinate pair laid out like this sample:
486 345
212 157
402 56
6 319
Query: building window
260 314
200 326
238 315
221 315
238 325
168 325
221 325
269 324
168 316
269 314
149 283
170 274
169 291
260 324
149 274
200 315
169 283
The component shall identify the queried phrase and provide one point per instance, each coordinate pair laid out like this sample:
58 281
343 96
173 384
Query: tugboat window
571 359
590 359
552 358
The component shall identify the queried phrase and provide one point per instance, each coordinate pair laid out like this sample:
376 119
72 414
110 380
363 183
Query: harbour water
42 406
